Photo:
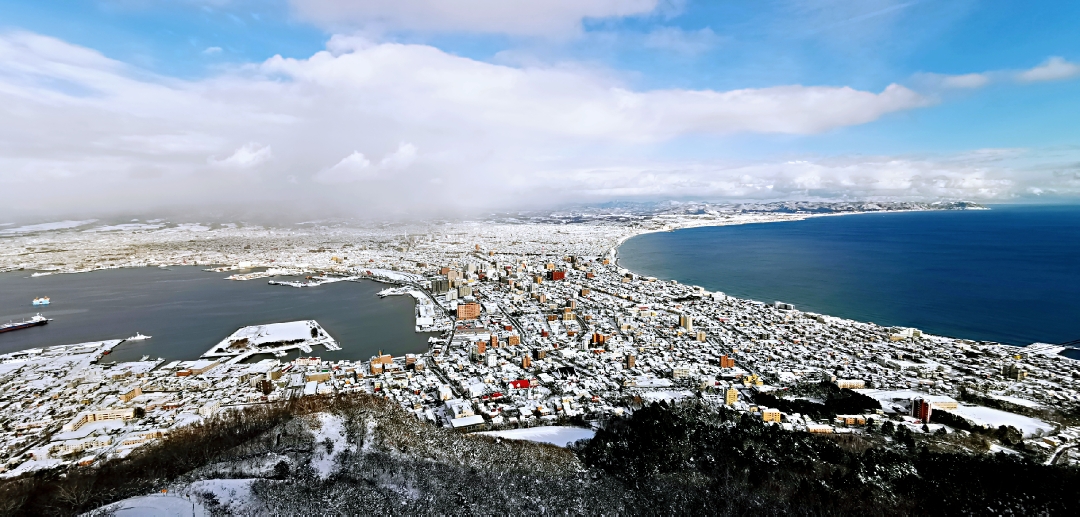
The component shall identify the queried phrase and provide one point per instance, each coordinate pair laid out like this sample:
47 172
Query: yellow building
851 420
770 415
731 396
129 393
853 384
98 416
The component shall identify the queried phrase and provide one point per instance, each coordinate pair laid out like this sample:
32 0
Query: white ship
138 337
44 300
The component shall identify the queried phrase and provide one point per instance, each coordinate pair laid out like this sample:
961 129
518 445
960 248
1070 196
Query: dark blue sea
1010 274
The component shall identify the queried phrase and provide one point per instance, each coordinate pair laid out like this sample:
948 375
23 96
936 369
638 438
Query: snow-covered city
543 336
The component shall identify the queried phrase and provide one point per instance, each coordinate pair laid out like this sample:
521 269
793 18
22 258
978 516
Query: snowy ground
1016 400
984 415
665 395
154 506
555 435
332 431
44 227
231 494
890 398
272 338
273 333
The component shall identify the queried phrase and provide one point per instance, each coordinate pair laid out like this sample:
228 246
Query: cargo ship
25 324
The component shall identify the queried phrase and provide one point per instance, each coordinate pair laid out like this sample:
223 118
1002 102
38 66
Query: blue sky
726 99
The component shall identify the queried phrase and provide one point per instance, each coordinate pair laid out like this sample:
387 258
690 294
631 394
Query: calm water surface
188 310
1011 274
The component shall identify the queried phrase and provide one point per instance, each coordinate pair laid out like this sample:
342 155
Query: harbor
187 310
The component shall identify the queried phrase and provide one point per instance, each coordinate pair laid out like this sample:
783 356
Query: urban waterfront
1008 274
187 310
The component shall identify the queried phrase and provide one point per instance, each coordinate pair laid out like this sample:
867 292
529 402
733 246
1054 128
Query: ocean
1010 274
188 310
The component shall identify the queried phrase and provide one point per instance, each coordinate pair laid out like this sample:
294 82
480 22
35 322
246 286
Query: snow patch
555 435
153 506
44 227
232 494
124 228
331 430
994 417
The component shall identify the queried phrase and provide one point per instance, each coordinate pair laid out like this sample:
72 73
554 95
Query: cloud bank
377 128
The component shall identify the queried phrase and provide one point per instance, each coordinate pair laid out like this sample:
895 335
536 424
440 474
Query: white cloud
517 17
982 175
1053 69
352 168
212 50
245 157
965 81
683 42
357 167
111 132
402 158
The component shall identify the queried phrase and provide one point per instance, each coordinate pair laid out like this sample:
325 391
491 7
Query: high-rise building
686 322
440 284
630 361
726 362
468 311
731 396
921 409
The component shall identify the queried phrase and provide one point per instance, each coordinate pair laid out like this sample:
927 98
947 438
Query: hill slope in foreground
364 455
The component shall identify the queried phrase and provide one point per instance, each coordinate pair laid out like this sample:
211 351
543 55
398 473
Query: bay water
1010 274
187 310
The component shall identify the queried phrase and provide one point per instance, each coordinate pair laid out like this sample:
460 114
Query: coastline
797 217
793 218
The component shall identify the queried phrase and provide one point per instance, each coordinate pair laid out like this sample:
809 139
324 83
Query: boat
25 324
44 300
138 337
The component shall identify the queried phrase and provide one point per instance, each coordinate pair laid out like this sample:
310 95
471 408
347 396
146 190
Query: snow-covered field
231 494
984 415
1016 400
890 398
555 435
155 506
44 227
331 429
